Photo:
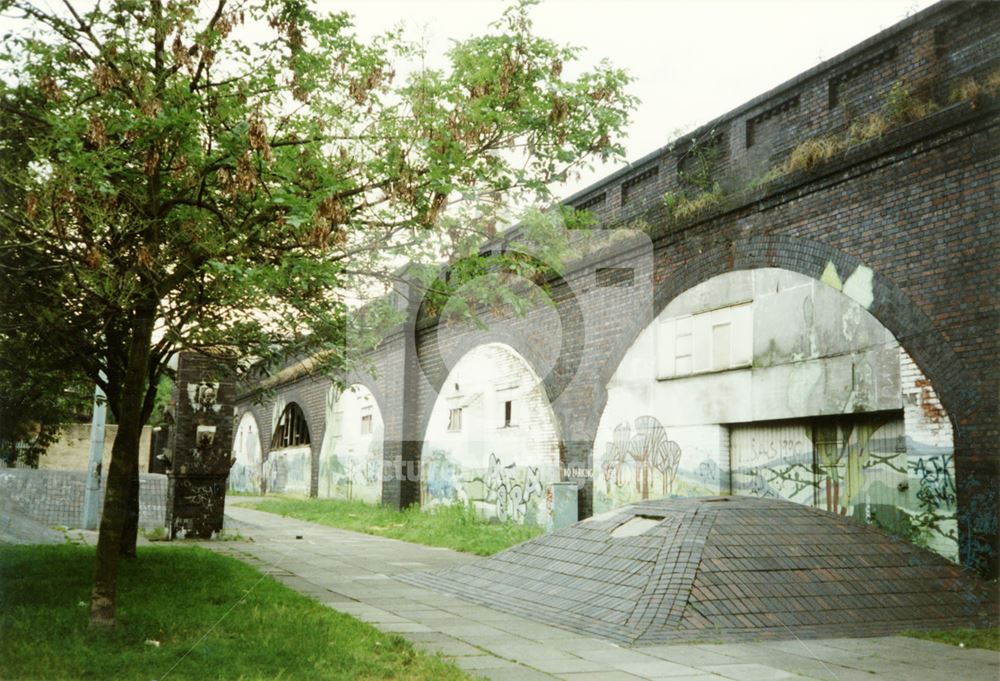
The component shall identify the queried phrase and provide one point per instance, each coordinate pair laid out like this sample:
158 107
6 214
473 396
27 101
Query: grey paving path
355 574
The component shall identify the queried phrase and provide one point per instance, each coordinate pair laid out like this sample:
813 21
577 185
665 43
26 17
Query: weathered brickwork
916 205
200 444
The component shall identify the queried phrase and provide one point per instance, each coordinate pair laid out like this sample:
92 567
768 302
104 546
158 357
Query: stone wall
71 452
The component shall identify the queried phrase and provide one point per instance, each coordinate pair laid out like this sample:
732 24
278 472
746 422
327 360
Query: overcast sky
692 60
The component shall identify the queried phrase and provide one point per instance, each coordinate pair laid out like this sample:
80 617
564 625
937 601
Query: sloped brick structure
725 567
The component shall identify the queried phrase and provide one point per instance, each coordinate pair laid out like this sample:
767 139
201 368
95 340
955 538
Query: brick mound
722 568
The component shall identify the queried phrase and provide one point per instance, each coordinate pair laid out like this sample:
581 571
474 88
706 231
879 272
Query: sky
692 60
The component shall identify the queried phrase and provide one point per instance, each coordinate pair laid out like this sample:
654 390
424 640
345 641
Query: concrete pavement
355 573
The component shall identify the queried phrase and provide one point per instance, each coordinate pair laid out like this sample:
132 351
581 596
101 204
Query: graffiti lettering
937 487
511 493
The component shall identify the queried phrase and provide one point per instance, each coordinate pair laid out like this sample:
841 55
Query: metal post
93 493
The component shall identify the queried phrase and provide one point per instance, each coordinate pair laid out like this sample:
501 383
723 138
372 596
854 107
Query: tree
36 398
190 187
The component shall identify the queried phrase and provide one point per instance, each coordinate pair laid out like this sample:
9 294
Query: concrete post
93 491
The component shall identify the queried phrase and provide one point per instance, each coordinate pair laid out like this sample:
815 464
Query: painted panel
246 471
473 455
287 471
860 466
773 461
350 463
642 459
817 359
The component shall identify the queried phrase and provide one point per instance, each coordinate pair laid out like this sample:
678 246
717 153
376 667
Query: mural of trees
644 453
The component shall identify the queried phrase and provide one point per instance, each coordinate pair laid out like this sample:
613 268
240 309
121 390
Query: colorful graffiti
861 466
442 479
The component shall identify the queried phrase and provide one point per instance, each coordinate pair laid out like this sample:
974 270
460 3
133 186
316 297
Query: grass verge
968 638
455 527
184 613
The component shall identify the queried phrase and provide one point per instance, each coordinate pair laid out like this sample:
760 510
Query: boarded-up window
721 346
716 340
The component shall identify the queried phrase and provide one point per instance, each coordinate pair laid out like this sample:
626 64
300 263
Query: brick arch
431 362
255 414
897 312
288 409
459 347
891 307
365 380
469 345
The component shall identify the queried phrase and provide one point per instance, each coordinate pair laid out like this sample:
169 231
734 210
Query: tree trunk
130 530
124 458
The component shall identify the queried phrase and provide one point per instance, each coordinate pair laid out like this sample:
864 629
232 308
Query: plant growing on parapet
702 191
972 89
901 104
174 185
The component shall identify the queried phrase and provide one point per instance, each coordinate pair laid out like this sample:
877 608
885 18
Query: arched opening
350 460
246 471
766 382
491 440
291 429
288 467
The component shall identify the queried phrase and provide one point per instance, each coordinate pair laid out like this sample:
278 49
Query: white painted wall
501 469
792 347
350 463
245 474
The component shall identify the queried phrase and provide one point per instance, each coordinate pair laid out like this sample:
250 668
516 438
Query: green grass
455 527
988 638
214 618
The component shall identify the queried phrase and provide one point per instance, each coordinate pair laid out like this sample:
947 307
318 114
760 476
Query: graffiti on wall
442 479
348 476
979 520
350 459
512 490
507 492
863 467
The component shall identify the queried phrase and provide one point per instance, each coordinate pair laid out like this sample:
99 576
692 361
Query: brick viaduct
916 205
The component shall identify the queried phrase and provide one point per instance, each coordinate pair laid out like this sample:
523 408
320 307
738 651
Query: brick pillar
200 441
403 443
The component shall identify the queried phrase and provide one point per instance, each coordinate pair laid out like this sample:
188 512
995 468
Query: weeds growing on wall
972 89
702 192
682 206
903 103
